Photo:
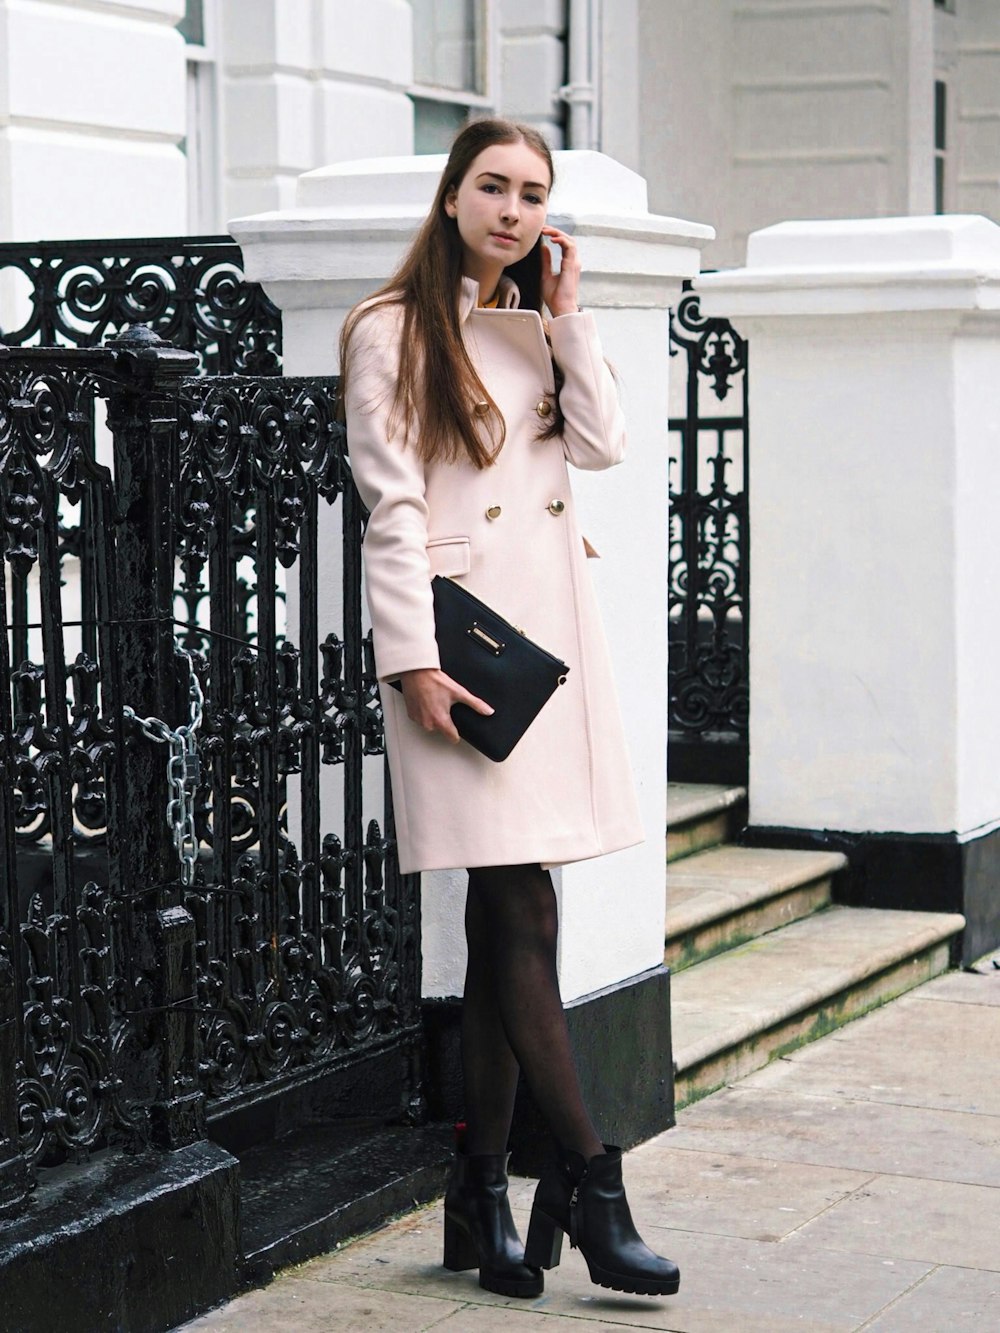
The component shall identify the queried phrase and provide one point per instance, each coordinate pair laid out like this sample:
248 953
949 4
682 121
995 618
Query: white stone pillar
875 561
350 228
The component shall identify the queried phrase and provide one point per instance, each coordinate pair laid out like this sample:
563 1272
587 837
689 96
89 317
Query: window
192 25
202 142
450 68
940 143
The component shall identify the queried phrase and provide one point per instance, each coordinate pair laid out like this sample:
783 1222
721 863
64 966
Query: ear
451 201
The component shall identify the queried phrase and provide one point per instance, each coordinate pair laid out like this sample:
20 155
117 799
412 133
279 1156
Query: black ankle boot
479 1229
586 1201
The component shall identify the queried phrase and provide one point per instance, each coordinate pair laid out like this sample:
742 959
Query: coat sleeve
594 434
389 475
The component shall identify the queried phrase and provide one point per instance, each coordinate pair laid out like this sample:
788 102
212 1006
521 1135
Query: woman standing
463 410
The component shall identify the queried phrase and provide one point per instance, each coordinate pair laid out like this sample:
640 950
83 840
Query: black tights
512 1014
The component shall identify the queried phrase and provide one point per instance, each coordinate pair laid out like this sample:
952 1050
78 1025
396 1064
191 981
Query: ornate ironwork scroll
709 548
189 289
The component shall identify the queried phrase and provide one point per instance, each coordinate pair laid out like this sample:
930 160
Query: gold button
494 511
556 506
481 408
544 408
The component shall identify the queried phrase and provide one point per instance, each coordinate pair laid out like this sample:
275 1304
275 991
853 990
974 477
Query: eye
491 187
534 199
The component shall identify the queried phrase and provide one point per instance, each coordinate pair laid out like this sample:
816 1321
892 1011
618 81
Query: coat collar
468 296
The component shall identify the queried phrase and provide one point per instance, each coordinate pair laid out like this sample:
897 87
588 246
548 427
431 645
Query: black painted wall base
922 872
138 1243
621 1038
690 759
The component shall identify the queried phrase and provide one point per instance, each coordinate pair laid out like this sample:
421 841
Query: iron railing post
142 413
15 1180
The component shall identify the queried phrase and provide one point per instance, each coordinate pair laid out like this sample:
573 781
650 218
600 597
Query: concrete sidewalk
853 1185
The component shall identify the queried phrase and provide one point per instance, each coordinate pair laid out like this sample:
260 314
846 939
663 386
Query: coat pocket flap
449 556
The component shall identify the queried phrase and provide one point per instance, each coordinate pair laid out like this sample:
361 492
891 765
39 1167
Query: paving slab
948 1298
965 988
726 1283
318 1307
858 1135
936 1221
896 1056
730 1195
731 1284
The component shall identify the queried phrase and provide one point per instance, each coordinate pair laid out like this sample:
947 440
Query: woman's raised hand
560 291
429 695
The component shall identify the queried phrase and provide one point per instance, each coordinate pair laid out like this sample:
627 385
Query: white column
875 471
92 114
344 239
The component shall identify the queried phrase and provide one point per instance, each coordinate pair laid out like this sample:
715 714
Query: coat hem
549 858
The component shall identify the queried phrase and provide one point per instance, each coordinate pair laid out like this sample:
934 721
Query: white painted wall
876 425
976 82
352 223
752 111
92 114
307 82
683 54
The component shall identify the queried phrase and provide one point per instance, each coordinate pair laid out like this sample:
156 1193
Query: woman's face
500 208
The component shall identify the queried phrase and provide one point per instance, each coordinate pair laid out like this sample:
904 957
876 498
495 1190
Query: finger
476 704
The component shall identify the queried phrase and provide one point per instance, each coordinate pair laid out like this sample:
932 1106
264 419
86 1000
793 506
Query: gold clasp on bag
476 631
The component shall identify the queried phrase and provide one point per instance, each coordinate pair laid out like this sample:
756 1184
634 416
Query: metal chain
183 769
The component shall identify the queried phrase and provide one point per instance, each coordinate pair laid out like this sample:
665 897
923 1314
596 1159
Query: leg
489 1067
516 924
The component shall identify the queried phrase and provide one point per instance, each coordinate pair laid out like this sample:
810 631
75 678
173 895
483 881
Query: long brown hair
437 381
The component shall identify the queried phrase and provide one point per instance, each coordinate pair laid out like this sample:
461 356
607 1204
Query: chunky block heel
460 1250
545 1238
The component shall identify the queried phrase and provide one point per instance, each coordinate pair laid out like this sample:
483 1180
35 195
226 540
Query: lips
504 236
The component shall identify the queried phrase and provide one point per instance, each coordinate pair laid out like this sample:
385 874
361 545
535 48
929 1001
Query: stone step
736 1012
723 897
700 815
302 1194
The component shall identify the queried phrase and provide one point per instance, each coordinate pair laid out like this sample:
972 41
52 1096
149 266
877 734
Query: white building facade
740 112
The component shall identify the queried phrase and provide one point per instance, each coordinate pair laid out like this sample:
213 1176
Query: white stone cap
353 220
858 265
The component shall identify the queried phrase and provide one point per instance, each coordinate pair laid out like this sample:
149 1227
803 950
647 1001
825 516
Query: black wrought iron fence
709 602
197 906
188 289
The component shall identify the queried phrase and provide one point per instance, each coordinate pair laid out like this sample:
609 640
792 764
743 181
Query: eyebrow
495 175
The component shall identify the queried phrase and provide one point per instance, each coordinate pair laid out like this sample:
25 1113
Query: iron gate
161 640
709 604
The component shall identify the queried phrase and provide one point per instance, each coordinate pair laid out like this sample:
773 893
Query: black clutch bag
495 661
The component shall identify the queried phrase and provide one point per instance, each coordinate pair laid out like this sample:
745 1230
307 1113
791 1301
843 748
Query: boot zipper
574 1213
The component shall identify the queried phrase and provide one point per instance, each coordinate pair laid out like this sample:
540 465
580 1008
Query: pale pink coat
566 791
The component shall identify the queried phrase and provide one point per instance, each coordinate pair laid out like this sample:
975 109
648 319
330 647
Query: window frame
487 63
204 173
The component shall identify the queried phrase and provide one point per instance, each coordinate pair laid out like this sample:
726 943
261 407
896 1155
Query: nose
509 212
